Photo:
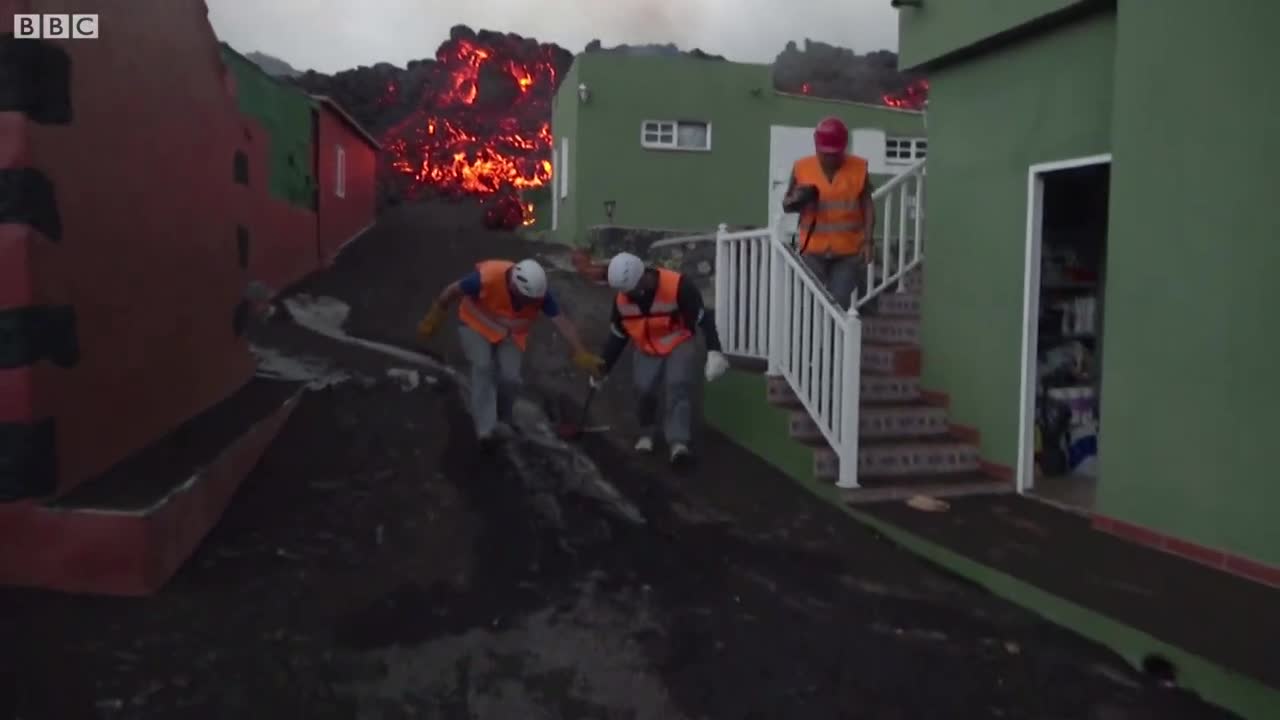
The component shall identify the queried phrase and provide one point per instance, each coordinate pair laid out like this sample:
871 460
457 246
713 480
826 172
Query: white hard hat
625 270
529 278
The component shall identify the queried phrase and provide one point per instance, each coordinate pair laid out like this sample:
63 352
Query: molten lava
914 97
483 125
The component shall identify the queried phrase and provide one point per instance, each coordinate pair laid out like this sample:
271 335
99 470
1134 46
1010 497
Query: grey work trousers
842 275
495 378
677 373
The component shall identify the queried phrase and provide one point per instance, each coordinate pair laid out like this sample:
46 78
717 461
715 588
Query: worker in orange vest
500 301
831 190
657 311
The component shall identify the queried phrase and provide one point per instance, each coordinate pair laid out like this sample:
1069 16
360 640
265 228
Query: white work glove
717 364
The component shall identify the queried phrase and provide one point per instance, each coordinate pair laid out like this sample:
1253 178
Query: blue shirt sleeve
550 307
470 284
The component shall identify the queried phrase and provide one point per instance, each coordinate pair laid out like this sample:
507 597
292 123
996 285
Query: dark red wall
342 218
148 255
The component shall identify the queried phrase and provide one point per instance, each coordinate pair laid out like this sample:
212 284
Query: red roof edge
350 121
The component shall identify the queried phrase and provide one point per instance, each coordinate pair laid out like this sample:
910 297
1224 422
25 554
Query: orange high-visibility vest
493 314
837 222
662 329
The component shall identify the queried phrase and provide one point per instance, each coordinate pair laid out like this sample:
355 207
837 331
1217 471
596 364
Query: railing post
919 240
850 391
902 236
777 305
721 311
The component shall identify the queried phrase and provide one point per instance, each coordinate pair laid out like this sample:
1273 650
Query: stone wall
695 259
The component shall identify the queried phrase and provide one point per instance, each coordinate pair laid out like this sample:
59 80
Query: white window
905 150
563 170
340 169
675 135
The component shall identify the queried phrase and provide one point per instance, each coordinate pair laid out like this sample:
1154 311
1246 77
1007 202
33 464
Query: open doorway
1063 306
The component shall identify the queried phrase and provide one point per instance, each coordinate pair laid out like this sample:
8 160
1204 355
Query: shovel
573 431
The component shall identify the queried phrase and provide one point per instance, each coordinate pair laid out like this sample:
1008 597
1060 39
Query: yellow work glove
431 322
588 362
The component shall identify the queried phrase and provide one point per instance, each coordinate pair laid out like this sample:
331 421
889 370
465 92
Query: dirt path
375 566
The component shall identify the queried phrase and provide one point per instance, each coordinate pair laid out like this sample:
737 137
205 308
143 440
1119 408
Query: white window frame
340 170
563 169
918 149
672 128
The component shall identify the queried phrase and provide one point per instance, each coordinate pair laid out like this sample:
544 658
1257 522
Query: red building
346 162
135 209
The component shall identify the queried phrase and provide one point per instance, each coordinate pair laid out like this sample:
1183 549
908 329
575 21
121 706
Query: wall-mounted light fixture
584 93
905 3
609 206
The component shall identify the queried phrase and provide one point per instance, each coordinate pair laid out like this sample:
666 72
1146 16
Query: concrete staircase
907 445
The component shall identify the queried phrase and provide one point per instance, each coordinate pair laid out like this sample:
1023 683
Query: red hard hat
831 136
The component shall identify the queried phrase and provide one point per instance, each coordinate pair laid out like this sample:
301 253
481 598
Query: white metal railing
769 306
742 291
899 240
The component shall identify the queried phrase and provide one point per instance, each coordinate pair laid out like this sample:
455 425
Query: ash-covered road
376 566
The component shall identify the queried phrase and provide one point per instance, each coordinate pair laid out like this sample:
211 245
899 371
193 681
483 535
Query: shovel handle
586 406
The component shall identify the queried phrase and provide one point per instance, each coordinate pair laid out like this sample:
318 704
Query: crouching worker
500 300
657 311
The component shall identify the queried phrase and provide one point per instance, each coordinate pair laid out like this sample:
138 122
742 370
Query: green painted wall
737 405
1190 381
564 124
286 114
695 191
989 121
939 27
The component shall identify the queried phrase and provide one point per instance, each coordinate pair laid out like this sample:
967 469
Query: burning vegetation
482 125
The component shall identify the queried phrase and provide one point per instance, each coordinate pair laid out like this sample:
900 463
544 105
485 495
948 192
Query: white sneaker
644 444
679 451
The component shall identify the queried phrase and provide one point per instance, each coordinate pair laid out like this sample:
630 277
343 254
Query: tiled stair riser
887 388
890 330
895 304
902 460
891 360
875 389
913 282
902 421
879 422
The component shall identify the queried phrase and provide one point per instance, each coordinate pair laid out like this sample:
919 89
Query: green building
1061 122
285 116
1097 314
684 144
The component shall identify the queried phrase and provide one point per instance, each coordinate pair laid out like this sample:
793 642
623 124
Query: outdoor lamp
609 205
584 92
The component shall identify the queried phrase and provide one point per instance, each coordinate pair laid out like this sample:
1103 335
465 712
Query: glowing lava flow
914 97
483 127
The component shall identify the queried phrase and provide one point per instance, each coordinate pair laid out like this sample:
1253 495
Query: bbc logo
55 27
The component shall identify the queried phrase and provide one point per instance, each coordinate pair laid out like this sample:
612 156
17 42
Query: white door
786 145
556 169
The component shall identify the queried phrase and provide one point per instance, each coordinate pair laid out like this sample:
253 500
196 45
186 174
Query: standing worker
500 300
657 311
832 192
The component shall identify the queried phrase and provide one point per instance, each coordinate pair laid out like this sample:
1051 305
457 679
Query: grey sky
327 35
